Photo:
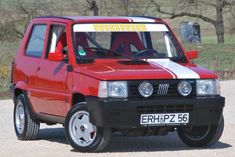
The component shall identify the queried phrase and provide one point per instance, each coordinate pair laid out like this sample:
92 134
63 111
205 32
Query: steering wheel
155 53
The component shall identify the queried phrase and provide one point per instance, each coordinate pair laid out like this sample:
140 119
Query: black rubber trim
133 62
125 113
29 106
56 17
47 118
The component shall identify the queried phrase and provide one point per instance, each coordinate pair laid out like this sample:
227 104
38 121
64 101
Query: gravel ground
52 140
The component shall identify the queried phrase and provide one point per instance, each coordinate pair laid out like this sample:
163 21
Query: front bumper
126 113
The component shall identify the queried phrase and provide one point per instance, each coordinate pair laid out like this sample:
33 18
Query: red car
98 75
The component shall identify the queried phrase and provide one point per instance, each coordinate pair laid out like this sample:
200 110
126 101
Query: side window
36 41
57 40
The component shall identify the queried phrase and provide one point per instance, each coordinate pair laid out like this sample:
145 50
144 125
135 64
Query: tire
209 135
81 134
26 128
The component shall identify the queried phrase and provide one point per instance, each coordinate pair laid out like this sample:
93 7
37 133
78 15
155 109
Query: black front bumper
126 113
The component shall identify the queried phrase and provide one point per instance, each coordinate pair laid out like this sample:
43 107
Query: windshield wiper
115 52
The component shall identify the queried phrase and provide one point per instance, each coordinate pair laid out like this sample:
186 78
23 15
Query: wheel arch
18 89
17 92
77 98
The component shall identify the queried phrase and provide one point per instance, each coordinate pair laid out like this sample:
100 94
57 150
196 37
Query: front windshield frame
181 57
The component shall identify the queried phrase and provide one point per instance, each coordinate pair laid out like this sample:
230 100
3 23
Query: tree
26 11
183 10
84 7
93 7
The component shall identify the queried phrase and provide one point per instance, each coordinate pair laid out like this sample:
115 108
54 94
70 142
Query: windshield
92 41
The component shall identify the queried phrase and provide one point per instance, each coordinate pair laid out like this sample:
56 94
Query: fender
88 86
24 87
21 85
27 102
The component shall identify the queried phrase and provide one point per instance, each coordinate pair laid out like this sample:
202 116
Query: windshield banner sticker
119 27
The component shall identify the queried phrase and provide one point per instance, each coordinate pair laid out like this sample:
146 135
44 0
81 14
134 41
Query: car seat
122 42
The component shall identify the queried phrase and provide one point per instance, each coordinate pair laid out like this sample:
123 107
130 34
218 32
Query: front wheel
201 136
82 135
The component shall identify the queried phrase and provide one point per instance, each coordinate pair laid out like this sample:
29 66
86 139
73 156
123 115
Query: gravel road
51 141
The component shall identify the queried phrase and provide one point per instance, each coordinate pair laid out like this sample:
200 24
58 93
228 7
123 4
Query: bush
4 78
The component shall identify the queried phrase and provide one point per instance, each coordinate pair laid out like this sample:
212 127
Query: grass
229 39
216 57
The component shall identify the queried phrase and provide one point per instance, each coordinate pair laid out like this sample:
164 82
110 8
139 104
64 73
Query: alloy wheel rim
82 132
19 117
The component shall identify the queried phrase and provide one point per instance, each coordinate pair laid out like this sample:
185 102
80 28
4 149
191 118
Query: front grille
161 88
164 109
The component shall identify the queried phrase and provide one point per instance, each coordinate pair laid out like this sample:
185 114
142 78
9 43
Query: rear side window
36 41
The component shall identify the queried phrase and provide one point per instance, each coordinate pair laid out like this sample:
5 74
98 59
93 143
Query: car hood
150 69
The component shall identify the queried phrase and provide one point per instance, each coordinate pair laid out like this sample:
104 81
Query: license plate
164 119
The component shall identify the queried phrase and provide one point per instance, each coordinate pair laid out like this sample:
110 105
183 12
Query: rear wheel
83 135
26 128
201 136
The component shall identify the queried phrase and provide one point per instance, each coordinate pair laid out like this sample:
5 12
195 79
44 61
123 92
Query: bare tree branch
228 8
174 15
18 32
93 7
146 8
226 3
206 3
107 7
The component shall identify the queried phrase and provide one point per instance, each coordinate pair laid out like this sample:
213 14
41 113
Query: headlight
184 88
114 89
208 87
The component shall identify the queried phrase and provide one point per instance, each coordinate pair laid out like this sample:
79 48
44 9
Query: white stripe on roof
141 19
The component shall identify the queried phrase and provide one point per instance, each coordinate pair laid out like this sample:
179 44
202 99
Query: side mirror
58 57
192 54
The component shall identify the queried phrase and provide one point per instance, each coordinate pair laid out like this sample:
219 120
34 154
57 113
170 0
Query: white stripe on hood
175 69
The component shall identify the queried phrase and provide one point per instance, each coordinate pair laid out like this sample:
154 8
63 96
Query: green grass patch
217 57
229 39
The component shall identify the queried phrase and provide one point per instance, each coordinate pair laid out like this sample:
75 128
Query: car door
52 75
32 56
